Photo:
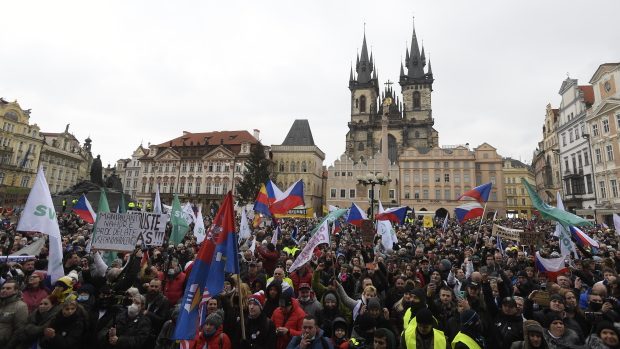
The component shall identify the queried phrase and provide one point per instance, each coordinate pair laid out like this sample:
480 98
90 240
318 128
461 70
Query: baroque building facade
129 171
199 167
574 150
518 202
65 162
20 148
546 161
296 158
603 121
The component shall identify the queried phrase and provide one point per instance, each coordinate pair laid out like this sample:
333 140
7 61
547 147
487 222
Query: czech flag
266 196
394 214
582 238
468 211
551 267
291 198
84 210
479 193
356 215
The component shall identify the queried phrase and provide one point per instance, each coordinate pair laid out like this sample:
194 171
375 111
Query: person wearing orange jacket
211 334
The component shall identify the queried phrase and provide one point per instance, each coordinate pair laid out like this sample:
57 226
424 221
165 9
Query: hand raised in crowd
49 332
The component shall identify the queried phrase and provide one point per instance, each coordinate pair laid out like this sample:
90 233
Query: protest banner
116 231
529 238
368 232
427 222
506 233
152 229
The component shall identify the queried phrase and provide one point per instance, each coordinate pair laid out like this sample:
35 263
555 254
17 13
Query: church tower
364 88
417 87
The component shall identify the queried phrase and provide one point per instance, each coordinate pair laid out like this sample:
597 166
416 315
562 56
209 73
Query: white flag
253 246
274 238
566 244
320 237
617 223
199 227
39 215
380 208
244 227
188 213
384 229
157 204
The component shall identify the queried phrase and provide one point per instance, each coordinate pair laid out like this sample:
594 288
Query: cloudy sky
125 72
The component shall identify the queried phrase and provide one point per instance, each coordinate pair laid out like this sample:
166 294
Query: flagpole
242 316
481 218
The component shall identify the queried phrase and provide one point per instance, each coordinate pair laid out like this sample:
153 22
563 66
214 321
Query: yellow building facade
518 203
20 147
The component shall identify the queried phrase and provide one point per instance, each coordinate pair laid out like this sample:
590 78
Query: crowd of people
438 287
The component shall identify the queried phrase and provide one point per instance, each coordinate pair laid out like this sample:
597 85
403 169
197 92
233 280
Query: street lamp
371 180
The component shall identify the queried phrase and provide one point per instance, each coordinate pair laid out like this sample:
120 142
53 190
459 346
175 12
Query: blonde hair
369 289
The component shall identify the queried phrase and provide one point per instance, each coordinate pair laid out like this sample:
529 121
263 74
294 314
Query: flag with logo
321 237
179 224
217 254
39 215
244 227
199 227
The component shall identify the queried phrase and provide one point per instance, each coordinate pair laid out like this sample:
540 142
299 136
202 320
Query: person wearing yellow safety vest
291 250
421 334
413 301
64 204
132 206
470 335
149 207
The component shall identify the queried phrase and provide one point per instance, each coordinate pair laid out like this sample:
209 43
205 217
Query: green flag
552 213
103 206
179 224
330 218
122 207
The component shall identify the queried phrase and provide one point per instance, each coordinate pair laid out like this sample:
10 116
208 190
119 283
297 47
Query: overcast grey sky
130 71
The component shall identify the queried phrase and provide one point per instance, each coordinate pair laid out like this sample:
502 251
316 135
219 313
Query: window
523 202
610 152
447 195
445 164
407 195
218 167
576 133
337 174
343 193
589 183
181 187
437 194
437 178
594 130
293 166
570 136
614 187
446 177
416 195
304 168
493 180
618 121
605 126
425 178
601 185
351 193
392 194
332 193
199 167
224 187
208 188
150 187
564 139
586 158
416 100
144 187
191 167
597 155
457 178
189 187
164 187
25 181
466 178
362 104
425 194
183 167
210 167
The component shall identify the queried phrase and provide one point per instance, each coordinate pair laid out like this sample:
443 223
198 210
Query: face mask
83 298
208 334
357 274
133 310
171 272
104 302
596 306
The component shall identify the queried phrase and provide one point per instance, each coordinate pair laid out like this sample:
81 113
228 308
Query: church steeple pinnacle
415 66
364 66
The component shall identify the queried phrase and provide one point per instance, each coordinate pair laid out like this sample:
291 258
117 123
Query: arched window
293 169
282 166
416 100
304 168
360 146
362 104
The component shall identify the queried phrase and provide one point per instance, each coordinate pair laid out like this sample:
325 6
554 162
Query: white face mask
133 310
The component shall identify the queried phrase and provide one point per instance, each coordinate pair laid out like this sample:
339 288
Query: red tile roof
213 138
588 94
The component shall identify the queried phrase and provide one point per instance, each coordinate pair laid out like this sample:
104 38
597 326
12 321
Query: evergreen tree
256 173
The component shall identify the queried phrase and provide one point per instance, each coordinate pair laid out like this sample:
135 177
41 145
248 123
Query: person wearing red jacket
269 256
300 276
287 319
175 283
211 334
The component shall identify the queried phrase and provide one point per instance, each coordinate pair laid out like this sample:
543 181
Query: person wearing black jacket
103 313
66 328
157 309
129 330
260 331
508 326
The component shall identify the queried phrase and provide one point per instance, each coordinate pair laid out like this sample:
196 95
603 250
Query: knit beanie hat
214 319
373 303
605 325
469 317
330 297
258 298
424 317
532 326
